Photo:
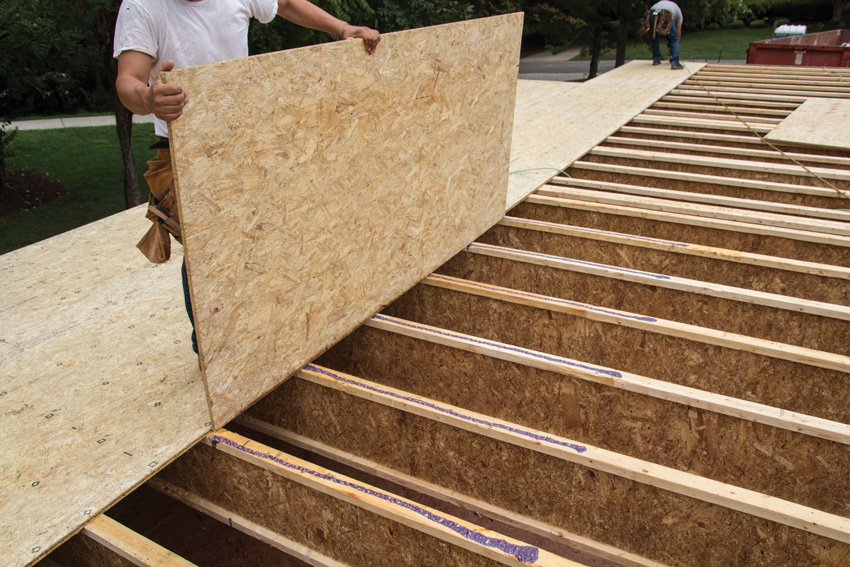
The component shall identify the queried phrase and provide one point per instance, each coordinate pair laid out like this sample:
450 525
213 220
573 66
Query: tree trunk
622 40
595 50
838 9
124 127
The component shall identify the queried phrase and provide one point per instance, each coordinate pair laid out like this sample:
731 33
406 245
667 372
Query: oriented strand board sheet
99 387
316 185
816 122
556 126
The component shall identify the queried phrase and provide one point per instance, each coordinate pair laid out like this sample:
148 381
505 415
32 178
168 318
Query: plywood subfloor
324 182
85 308
817 122
99 386
556 125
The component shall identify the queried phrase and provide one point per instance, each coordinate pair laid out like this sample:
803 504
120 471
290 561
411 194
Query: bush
736 24
782 22
819 26
713 26
757 24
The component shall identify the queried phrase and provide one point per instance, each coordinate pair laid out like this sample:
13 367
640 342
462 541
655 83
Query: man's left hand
370 37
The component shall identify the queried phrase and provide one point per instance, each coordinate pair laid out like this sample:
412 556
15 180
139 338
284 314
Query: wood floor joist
253 529
536 452
764 154
756 127
697 91
478 506
727 181
637 321
723 163
786 88
720 108
708 98
248 469
661 132
703 115
760 218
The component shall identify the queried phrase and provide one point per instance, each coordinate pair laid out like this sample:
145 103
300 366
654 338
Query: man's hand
165 100
370 37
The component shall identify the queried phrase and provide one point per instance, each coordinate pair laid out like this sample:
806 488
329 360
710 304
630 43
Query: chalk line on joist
705 335
645 472
727 405
500 547
774 300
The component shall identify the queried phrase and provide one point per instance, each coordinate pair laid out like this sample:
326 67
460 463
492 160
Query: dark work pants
187 298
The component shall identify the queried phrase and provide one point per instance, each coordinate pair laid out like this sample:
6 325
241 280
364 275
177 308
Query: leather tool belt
162 207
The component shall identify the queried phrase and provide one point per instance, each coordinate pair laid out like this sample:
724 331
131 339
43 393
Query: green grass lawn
699 45
87 161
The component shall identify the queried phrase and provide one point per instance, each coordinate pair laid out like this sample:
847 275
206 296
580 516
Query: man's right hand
167 100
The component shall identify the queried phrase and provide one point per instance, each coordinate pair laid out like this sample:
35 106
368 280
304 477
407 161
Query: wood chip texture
318 184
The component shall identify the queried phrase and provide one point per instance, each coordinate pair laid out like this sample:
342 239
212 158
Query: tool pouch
657 22
162 208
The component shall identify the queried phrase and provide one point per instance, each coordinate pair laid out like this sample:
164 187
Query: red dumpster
824 49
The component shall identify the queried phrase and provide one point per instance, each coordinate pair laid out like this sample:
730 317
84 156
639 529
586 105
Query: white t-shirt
671 7
188 32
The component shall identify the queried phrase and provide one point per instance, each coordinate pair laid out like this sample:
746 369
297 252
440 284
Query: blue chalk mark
501 346
568 260
526 553
605 232
548 299
451 412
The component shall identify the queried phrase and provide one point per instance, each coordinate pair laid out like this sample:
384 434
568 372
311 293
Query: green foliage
713 26
792 10
737 24
757 24
52 59
87 161
819 26
782 22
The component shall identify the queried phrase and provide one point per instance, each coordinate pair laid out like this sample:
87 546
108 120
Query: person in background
161 35
660 14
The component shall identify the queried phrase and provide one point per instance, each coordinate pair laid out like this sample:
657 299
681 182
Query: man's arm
307 14
165 101
679 30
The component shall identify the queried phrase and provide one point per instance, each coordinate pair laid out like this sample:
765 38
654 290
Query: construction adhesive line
451 412
499 346
524 553
600 232
562 260
546 298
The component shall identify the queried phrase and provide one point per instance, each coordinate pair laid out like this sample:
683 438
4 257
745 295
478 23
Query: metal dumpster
824 49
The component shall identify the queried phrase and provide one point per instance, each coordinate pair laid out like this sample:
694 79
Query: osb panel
780 383
817 122
810 331
340 530
324 182
712 445
100 386
660 525
745 242
748 276
561 125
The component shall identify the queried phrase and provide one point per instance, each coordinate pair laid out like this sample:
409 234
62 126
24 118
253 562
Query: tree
838 10
6 138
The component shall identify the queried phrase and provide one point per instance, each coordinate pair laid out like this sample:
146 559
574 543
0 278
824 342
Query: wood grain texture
99 387
557 126
322 183
817 122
